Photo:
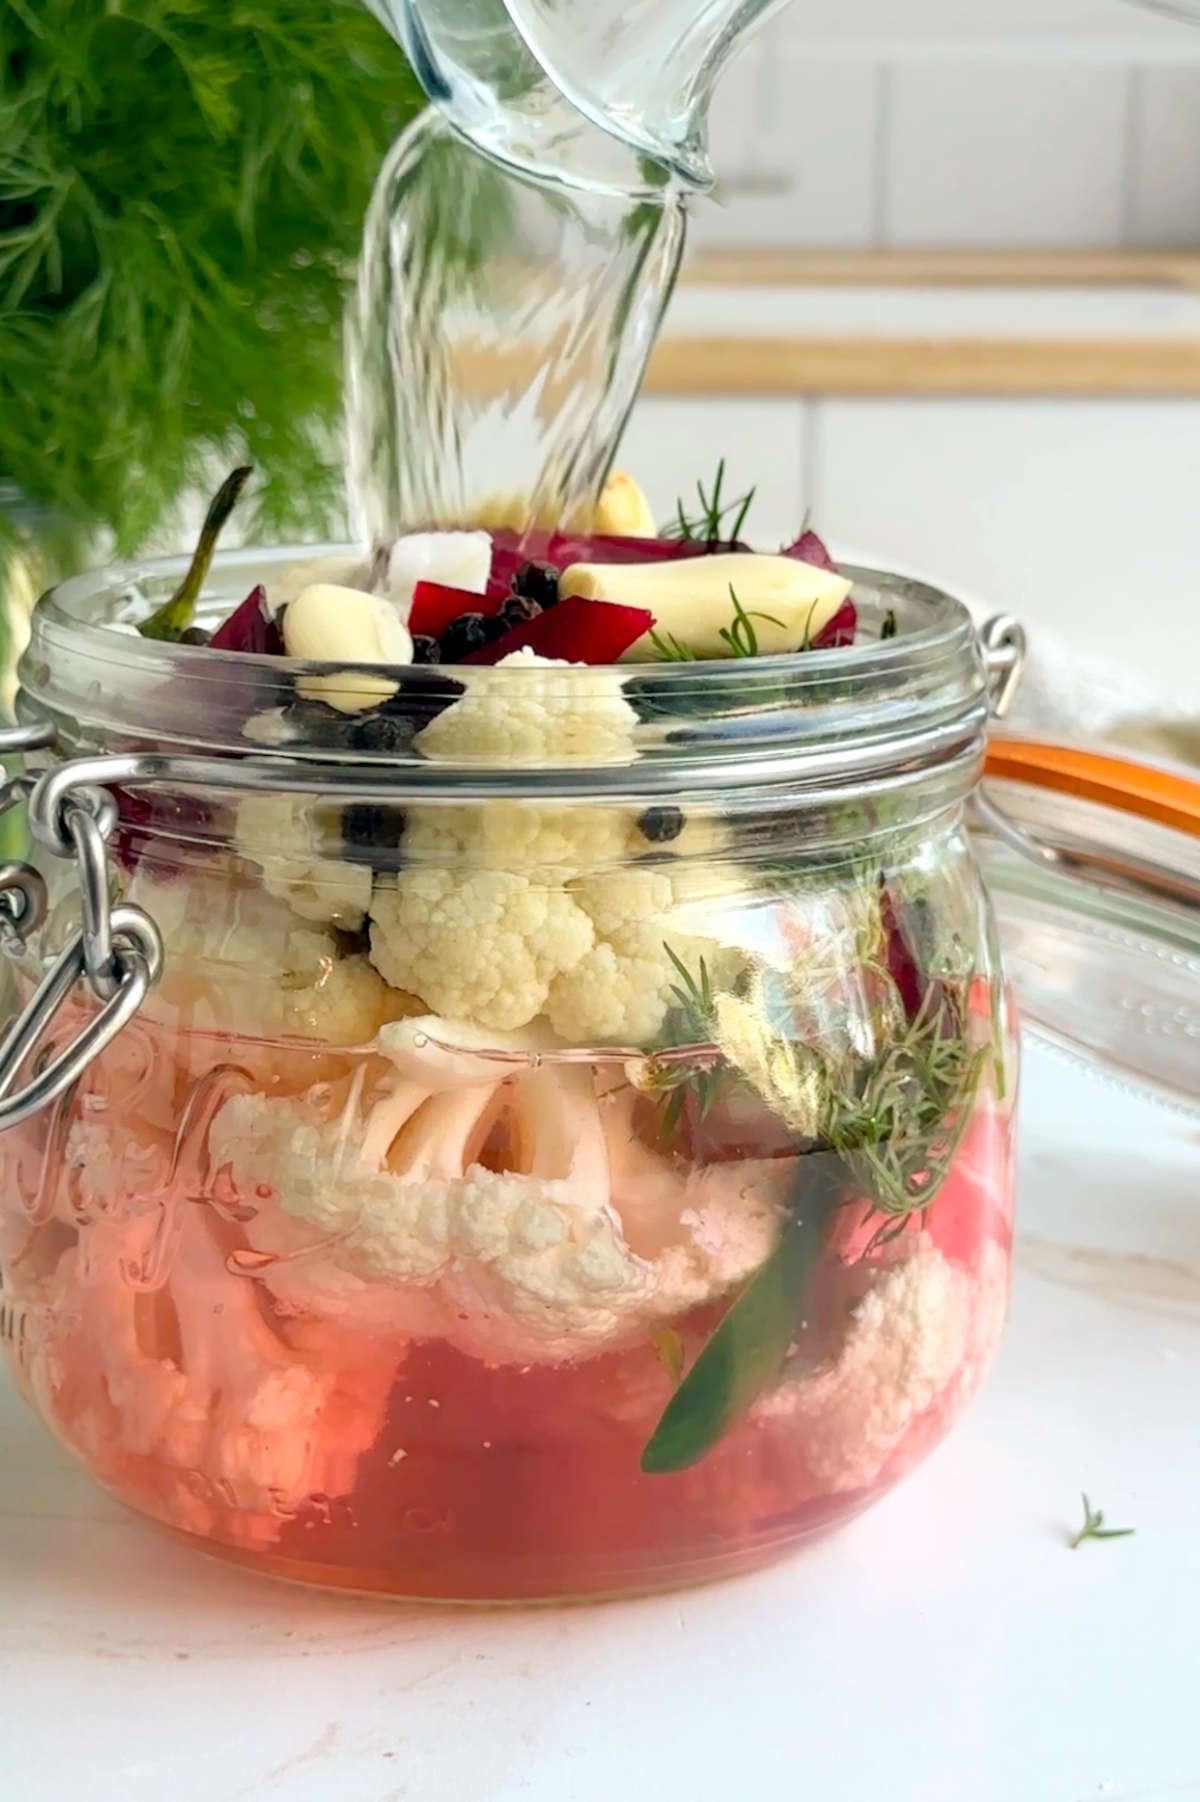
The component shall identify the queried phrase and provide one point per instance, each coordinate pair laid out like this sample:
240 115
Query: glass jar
568 1150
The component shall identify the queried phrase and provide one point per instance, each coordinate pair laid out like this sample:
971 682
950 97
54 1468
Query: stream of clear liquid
516 263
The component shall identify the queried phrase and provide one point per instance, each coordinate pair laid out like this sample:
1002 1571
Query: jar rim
883 707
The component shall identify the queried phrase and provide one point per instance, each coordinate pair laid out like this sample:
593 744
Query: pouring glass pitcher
522 243
643 71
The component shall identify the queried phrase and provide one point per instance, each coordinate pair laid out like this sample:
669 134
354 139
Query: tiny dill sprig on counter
706 527
1094 1528
740 635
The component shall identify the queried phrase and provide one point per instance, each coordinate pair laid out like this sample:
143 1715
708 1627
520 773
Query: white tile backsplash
1165 155
670 444
801 168
1027 123
1005 153
1076 516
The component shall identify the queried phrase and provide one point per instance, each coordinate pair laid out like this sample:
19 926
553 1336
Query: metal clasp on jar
118 950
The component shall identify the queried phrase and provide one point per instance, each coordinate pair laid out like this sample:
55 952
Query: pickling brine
436 1322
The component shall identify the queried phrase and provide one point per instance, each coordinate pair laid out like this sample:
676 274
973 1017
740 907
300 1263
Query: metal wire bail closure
117 950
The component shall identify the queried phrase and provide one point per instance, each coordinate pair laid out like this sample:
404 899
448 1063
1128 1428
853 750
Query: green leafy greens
182 188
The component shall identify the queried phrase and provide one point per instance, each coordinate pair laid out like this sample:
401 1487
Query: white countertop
947 1647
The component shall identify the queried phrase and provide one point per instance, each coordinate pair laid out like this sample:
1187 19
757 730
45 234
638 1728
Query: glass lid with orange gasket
1093 859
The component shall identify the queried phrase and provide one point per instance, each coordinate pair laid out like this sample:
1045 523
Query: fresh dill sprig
707 526
669 649
740 635
1094 1528
182 187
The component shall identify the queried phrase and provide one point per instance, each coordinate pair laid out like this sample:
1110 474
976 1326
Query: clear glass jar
569 1150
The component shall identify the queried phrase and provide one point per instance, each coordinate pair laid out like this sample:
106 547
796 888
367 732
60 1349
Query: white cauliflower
576 1247
523 713
481 945
179 1394
919 1340
275 833
237 959
557 841
619 992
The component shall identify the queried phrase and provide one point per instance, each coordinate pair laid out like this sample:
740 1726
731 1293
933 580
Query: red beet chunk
839 630
511 549
435 605
250 627
808 548
577 631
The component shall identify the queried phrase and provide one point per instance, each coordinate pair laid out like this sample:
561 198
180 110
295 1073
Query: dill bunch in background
182 189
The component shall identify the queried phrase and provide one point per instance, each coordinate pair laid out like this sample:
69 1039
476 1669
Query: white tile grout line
1134 95
881 157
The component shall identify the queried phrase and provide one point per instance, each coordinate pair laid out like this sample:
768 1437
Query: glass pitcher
521 245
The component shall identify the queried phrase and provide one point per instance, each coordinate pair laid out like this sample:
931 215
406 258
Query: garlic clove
691 600
623 510
329 624
455 559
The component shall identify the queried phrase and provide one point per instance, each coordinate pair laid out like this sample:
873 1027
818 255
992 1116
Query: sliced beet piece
839 630
250 627
511 550
576 631
435 605
808 548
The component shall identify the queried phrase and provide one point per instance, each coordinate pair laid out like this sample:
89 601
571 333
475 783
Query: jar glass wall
550 1166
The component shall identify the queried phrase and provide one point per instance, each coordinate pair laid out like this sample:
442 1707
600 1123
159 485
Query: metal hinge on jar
117 950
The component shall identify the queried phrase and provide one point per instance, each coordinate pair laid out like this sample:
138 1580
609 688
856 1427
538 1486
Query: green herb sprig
1094 1528
890 1126
708 526
669 650
182 188
170 621
740 635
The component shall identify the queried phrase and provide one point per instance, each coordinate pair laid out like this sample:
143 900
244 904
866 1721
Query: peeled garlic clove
329 624
623 510
691 599
454 559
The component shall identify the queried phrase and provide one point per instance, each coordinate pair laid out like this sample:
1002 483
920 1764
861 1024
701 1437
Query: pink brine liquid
458 1407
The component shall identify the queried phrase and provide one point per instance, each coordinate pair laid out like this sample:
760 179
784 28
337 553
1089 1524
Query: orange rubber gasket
1168 796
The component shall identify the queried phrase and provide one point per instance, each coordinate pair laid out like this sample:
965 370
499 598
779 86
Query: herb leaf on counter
1094 1528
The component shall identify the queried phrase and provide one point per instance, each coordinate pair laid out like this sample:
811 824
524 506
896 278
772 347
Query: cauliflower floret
918 1340
237 959
519 835
274 832
621 990
580 1247
481 945
532 716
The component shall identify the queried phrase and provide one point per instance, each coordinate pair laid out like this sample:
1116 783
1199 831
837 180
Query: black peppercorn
519 608
469 632
661 824
381 732
426 649
537 582
194 635
372 834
